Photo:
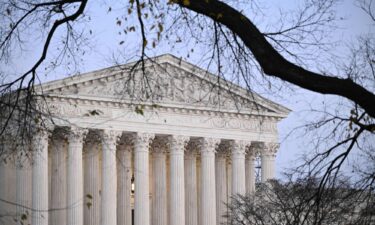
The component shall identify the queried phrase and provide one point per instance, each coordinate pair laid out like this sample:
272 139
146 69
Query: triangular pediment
167 82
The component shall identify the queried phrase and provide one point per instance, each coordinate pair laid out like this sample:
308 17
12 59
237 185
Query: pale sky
105 44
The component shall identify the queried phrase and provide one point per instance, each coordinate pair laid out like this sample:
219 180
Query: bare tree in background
241 47
293 202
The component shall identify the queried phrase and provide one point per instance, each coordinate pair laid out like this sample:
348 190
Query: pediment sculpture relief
169 85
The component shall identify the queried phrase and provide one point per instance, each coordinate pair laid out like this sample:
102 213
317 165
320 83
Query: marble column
268 155
168 186
75 176
177 180
23 185
40 178
124 175
8 180
229 179
4 182
159 182
108 206
58 205
238 150
208 184
199 186
141 172
250 170
92 179
191 192
221 185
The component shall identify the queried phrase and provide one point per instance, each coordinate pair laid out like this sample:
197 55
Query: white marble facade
115 157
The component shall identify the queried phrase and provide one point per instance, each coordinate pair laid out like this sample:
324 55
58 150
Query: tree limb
272 62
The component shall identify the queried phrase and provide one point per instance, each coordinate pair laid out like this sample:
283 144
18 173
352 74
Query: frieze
162 115
237 123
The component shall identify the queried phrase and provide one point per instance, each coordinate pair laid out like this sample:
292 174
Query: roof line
164 58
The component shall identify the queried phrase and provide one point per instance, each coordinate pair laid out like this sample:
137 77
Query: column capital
192 149
77 134
250 155
178 143
142 140
93 138
223 149
238 147
59 134
254 149
40 138
42 124
126 142
110 137
92 143
208 145
22 156
160 145
270 149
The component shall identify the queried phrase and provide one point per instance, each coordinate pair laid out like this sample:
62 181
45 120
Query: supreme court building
169 146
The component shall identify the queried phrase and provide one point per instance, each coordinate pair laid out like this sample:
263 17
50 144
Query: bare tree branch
273 63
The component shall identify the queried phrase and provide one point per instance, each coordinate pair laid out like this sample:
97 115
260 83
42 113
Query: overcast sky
355 23
105 46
